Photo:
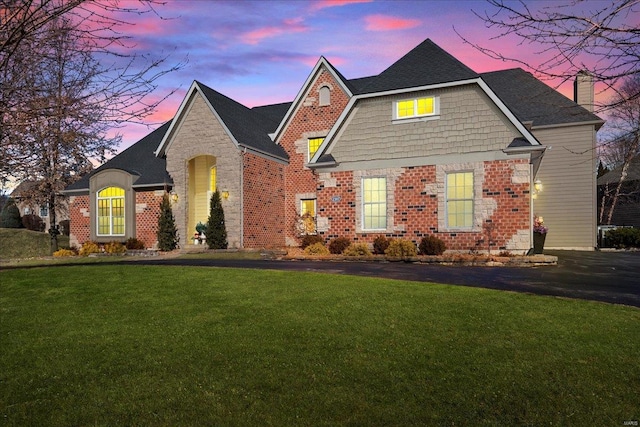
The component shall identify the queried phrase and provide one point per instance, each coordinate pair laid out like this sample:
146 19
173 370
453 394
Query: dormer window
424 107
324 96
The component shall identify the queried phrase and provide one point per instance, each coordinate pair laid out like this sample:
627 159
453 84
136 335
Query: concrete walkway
612 277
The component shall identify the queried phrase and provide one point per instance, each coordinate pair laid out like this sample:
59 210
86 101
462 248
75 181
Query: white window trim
417 117
111 233
362 203
446 202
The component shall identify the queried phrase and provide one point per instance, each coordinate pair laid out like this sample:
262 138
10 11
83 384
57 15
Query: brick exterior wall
310 120
147 213
263 190
416 203
79 220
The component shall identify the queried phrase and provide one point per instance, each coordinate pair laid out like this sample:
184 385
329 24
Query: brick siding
79 220
147 213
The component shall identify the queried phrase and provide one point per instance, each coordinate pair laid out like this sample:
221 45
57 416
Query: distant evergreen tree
167 232
216 231
10 215
602 169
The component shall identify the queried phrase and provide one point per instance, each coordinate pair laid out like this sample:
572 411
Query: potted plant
539 234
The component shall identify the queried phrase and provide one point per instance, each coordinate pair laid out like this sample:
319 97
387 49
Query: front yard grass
144 345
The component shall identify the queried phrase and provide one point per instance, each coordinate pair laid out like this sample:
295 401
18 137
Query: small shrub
10 215
624 237
89 248
115 248
357 249
133 243
431 245
401 249
380 244
316 249
61 253
310 239
33 222
339 244
167 233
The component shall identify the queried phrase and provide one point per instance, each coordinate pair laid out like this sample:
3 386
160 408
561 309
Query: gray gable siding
469 122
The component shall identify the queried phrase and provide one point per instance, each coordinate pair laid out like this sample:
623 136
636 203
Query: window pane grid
416 107
111 211
374 203
460 200
314 144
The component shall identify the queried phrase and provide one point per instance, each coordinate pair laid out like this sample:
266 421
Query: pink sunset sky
261 52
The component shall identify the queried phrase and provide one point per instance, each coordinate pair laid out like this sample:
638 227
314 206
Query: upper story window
314 144
44 211
324 96
459 197
417 107
111 211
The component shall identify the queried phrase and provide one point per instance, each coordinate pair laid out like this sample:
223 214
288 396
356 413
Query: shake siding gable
468 122
199 133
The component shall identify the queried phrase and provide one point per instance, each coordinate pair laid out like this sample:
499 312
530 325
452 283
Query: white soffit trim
305 87
328 141
177 120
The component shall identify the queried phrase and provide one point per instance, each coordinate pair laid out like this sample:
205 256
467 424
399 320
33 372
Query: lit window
460 200
212 179
308 214
111 212
325 96
44 211
314 144
417 107
374 203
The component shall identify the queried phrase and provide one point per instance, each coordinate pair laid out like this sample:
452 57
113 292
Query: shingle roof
533 101
249 127
274 112
613 176
426 64
140 160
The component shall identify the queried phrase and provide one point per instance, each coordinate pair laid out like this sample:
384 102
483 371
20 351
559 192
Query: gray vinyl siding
468 122
568 200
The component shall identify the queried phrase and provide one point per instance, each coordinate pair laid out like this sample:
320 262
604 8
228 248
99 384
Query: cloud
288 26
323 4
388 23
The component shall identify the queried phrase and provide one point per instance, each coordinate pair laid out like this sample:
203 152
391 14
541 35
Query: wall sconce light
225 194
174 196
537 185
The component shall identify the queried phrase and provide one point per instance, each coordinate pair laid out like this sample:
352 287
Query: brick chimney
583 90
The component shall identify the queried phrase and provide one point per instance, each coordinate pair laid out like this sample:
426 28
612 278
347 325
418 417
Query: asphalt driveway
612 277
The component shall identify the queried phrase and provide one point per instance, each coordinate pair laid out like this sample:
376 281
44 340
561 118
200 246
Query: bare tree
622 146
600 37
68 77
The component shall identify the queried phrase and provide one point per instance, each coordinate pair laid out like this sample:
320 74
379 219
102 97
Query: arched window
325 96
111 212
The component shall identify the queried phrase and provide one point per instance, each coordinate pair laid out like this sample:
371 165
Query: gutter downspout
242 154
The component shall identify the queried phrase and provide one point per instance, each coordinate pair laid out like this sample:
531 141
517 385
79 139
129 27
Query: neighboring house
26 207
627 209
428 146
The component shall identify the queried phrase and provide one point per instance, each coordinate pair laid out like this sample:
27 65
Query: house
23 197
428 146
627 209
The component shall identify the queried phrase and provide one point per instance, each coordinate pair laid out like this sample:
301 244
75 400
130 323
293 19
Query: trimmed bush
61 253
310 239
380 244
624 237
316 249
167 233
133 243
10 215
338 245
357 249
115 248
401 249
216 230
33 222
89 248
431 245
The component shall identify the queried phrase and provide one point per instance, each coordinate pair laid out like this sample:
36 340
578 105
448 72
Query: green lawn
141 345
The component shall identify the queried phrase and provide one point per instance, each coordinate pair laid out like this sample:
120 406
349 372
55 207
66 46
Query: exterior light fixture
225 194
537 185
174 196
